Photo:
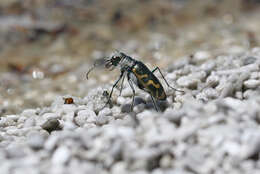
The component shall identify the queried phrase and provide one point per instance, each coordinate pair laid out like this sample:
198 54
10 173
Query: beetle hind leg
157 68
133 89
155 105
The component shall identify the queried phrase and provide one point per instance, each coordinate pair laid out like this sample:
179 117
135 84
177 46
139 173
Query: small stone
139 108
29 112
200 75
208 66
51 142
119 168
105 112
22 119
30 122
201 56
251 150
120 100
61 155
85 116
15 151
101 119
166 161
139 100
13 131
126 108
13 117
211 93
127 92
212 81
149 105
252 83
51 125
50 116
174 116
232 148
35 140
249 60
5 122
171 76
187 82
249 93
227 90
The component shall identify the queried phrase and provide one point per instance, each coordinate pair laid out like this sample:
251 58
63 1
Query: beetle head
114 60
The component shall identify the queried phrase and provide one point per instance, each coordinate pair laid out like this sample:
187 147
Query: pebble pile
213 127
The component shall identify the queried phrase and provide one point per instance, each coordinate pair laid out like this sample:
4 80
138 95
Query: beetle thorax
126 62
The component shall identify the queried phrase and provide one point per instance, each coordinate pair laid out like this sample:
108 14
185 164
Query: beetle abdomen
148 81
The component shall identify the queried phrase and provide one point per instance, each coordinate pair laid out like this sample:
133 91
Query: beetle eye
115 60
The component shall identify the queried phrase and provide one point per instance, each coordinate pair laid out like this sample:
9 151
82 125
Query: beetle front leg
133 89
121 86
110 95
157 68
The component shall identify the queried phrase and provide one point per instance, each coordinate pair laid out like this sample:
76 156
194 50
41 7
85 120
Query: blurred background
46 46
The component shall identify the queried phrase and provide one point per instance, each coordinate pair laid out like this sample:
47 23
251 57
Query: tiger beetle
137 73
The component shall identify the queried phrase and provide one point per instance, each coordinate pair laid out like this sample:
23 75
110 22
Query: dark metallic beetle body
147 81
136 73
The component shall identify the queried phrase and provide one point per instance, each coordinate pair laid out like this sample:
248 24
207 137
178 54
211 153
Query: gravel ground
213 127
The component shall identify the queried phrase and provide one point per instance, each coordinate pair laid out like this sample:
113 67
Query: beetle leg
133 89
121 75
157 68
155 105
122 85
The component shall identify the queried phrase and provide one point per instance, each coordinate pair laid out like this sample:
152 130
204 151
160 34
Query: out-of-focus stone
51 125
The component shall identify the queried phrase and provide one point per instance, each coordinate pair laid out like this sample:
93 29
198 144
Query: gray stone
126 108
51 125
249 60
139 100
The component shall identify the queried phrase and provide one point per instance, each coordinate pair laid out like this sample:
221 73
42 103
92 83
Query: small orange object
68 100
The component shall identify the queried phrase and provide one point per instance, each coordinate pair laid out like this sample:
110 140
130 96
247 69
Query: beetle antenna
98 62
90 70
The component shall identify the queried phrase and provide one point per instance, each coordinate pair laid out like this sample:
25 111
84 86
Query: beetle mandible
137 73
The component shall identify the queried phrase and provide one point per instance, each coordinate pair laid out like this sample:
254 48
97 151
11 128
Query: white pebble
30 122
252 83
187 82
48 116
105 112
61 155
35 140
29 112
121 100
85 116
201 56
101 119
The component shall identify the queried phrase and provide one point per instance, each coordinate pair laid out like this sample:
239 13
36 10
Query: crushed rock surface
213 127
